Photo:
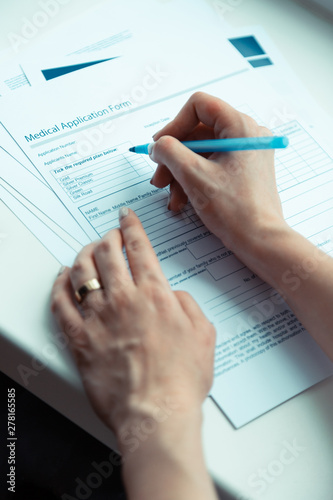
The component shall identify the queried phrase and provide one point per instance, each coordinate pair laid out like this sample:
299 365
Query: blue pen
219 145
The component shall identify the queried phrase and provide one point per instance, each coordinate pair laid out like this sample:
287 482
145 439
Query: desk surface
287 453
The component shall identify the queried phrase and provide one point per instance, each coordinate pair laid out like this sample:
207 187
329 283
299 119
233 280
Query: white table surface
285 454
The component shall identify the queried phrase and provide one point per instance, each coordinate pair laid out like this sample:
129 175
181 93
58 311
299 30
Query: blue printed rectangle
263 61
247 46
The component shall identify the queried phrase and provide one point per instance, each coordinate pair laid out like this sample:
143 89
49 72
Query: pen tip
132 150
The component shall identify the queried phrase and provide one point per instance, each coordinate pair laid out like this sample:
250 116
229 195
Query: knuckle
207 333
135 245
108 241
163 144
120 298
265 132
244 124
119 283
153 290
78 266
251 122
71 329
122 285
184 295
214 106
160 297
195 163
249 125
232 130
197 96
103 246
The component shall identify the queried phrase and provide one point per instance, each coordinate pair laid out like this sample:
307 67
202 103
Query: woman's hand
236 196
141 348
234 193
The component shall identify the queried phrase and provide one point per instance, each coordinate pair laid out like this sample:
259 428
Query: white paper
168 29
62 251
294 96
41 200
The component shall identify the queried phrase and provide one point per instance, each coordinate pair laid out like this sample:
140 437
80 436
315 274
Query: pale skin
144 352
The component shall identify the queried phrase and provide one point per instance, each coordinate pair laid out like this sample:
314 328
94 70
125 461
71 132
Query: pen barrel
237 144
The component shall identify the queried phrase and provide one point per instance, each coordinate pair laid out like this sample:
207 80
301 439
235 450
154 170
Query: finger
187 167
110 261
144 264
264 132
162 177
84 268
201 132
197 317
177 197
201 107
64 308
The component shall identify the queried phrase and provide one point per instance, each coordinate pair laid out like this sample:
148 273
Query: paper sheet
43 227
255 46
37 196
256 329
166 27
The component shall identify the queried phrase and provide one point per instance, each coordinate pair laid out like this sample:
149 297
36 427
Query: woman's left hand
135 341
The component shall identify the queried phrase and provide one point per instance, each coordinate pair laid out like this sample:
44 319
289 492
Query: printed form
264 356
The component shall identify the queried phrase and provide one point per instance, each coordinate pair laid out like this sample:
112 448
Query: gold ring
88 286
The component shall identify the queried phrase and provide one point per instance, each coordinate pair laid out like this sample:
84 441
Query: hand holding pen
234 193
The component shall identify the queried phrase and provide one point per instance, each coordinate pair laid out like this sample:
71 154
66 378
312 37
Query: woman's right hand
235 193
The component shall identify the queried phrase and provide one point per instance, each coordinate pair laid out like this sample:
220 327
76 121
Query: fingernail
123 212
61 270
156 133
151 151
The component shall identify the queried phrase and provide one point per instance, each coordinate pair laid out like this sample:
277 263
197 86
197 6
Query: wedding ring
87 287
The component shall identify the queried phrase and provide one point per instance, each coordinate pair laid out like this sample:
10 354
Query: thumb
187 167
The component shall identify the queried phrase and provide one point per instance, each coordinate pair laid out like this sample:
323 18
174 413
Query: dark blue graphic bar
51 73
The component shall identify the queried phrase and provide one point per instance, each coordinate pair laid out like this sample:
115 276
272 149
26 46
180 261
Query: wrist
282 258
161 427
255 246
169 457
